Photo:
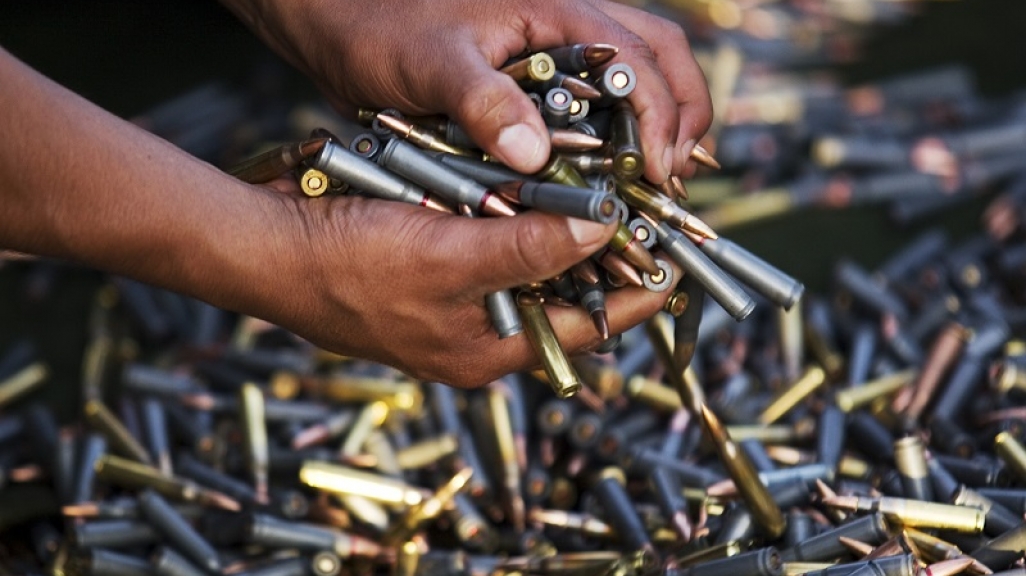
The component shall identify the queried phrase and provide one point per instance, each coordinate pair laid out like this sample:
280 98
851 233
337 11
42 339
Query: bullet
558 171
592 296
488 174
577 58
826 545
157 442
810 381
272 532
251 415
583 203
686 326
618 510
867 292
702 156
537 67
946 348
346 481
800 528
426 452
91 452
870 436
100 561
977 472
360 173
587 164
170 524
561 140
325 563
718 285
409 162
659 207
501 425
366 145
167 562
830 437
114 534
661 281
22 382
191 468
277 161
558 370
999 553
556 107
766 513
915 513
1012 453
759 275
763 562
625 138
674 507
910 460
122 472
421 138
998 518
428 509
853 398
580 90
402 396
615 82
119 438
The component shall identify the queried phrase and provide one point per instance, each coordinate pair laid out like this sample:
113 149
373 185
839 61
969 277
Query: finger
489 105
680 71
504 252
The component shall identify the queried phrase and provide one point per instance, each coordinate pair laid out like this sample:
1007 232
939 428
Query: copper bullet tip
221 500
81 510
638 255
599 54
585 270
310 436
702 156
723 489
948 567
493 205
695 224
310 148
843 502
561 139
717 432
678 186
394 124
432 202
580 89
857 546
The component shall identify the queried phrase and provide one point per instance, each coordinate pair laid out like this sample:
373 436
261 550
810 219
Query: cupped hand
441 57
405 286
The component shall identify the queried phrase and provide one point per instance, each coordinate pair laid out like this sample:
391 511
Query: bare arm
385 281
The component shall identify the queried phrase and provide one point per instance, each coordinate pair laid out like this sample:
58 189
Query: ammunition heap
875 431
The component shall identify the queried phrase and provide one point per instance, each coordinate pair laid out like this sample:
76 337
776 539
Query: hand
441 57
405 286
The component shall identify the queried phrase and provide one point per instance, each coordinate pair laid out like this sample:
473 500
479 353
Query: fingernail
520 146
685 152
586 232
668 160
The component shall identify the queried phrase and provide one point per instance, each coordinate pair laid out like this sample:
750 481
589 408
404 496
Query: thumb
529 247
496 113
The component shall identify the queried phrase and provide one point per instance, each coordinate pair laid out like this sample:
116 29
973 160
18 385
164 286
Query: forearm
80 184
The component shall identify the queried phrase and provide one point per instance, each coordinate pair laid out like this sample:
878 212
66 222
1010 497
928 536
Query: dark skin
385 281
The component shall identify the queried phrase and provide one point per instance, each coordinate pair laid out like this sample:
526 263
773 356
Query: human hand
405 286
441 57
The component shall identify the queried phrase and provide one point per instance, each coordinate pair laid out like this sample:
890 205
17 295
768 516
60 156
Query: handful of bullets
594 173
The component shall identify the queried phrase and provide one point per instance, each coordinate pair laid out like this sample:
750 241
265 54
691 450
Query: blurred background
139 59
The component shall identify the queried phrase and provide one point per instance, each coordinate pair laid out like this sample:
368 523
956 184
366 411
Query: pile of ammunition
876 431
594 173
